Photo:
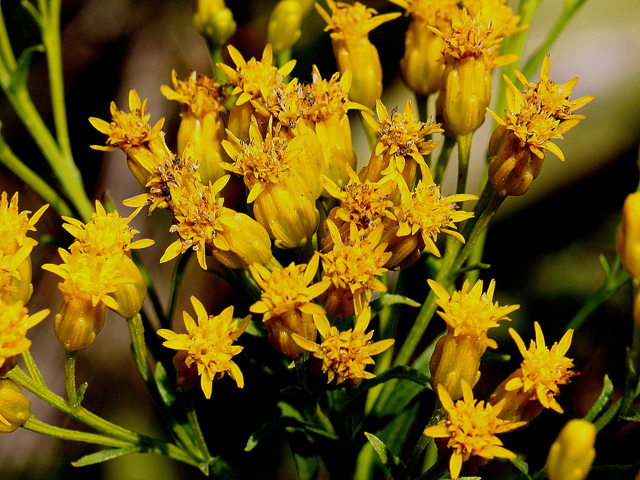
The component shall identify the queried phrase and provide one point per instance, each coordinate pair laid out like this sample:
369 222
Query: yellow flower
470 56
535 384
422 215
284 204
352 266
209 344
88 282
469 316
130 132
14 323
363 203
422 65
345 355
325 111
15 276
235 239
351 24
470 429
15 407
402 142
572 454
518 145
287 303
105 234
177 173
254 81
15 225
202 101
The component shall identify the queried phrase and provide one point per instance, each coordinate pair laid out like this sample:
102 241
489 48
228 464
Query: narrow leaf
19 75
103 456
164 387
395 466
603 401
306 466
402 372
388 299
521 465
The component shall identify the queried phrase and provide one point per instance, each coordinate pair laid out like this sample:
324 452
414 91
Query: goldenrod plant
357 309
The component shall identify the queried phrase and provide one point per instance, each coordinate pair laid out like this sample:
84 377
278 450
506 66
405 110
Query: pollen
198 93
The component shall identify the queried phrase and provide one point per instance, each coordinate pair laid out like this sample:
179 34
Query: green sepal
103 456
164 387
388 299
522 466
392 463
603 401
80 392
19 75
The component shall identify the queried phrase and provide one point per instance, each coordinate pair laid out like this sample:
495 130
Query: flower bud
214 21
572 454
130 296
455 358
628 235
15 407
283 30
511 169
422 66
465 95
78 322
281 328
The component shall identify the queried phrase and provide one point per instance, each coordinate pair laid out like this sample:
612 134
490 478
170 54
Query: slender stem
192 417
151 291
51 39
464 152
215 52
443 159
536 59
136 329
175 287
599 296
28 176
32 368
438 414
35 425
70 378
422 104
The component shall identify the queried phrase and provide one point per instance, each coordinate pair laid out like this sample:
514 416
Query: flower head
287 303
198 94
15 225
105 234
542 370
402 139
472 312
426 212
345 355
14 323
209 344
351 20
471 429
352 267
255 79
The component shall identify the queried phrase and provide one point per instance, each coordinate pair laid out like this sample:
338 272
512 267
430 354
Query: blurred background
543 247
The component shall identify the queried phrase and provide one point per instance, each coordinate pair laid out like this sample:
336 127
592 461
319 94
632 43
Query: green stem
610 286
70 378
443 160
32 368
28 176
35 425
438 414
464 152
175 287
136 329
151 291
536 59
215 52
192 418
422 104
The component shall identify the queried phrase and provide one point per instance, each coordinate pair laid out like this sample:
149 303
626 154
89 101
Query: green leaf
307 467
402 372
603 401
19 75
103 456
495 357
81 391
285 423
396 467
164 387
521 465
388 299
